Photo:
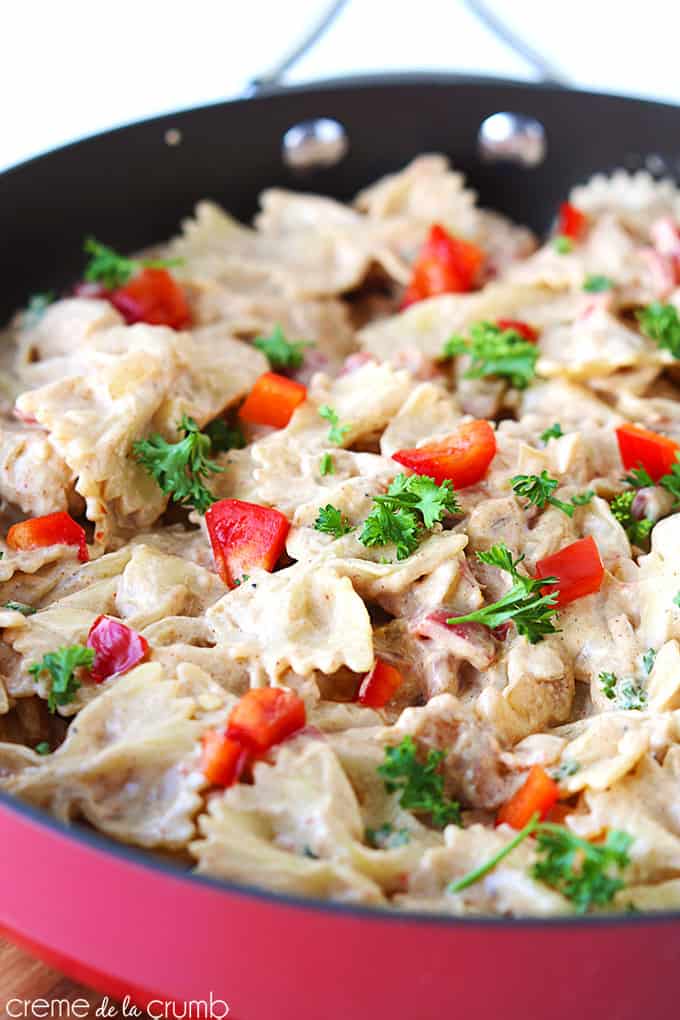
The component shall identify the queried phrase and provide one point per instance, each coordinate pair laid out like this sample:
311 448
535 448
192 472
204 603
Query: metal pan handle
273 78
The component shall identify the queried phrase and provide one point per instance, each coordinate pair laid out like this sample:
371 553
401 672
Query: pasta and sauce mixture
340 553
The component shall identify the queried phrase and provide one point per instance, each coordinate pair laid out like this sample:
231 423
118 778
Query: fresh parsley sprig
661 323
336 433
587 874
538 489
421 494
420 786
671 482
280 352
179 467
385 526
112 270
532 613
332 521
627 692
638 530
638 478
61 666
495 352
411 504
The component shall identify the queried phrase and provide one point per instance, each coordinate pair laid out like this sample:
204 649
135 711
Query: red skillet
115 917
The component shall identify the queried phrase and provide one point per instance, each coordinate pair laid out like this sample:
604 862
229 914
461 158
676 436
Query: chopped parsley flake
280 352
661 323
596 284
326 465
648 660
563 245
37 306
554 432
20 607
420 786
564 770
336 433
42 748
387 837
637 530
627 693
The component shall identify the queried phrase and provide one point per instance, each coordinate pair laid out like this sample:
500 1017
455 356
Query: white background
69 68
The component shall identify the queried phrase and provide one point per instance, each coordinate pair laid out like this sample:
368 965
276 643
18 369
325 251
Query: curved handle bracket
273 78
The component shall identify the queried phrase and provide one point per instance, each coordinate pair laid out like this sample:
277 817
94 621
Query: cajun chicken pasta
340 552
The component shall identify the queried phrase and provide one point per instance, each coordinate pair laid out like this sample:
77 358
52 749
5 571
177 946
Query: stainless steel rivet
313 144
512 138
173 136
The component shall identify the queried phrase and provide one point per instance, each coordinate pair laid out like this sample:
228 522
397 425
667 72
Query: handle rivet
512 138
314 144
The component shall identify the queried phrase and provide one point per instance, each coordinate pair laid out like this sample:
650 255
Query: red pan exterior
113 917
130 928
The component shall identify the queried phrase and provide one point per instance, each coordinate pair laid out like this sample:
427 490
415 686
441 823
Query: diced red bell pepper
272 400
264 717
537 795
463 456
571 222
380 685
153 296
640 447
223 759
578 569
53 529
244 535
526 331
445 265
117 648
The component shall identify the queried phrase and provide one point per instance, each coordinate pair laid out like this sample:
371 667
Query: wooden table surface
25 978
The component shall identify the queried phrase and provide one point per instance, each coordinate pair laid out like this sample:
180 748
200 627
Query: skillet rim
104 845
150 860
342 82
